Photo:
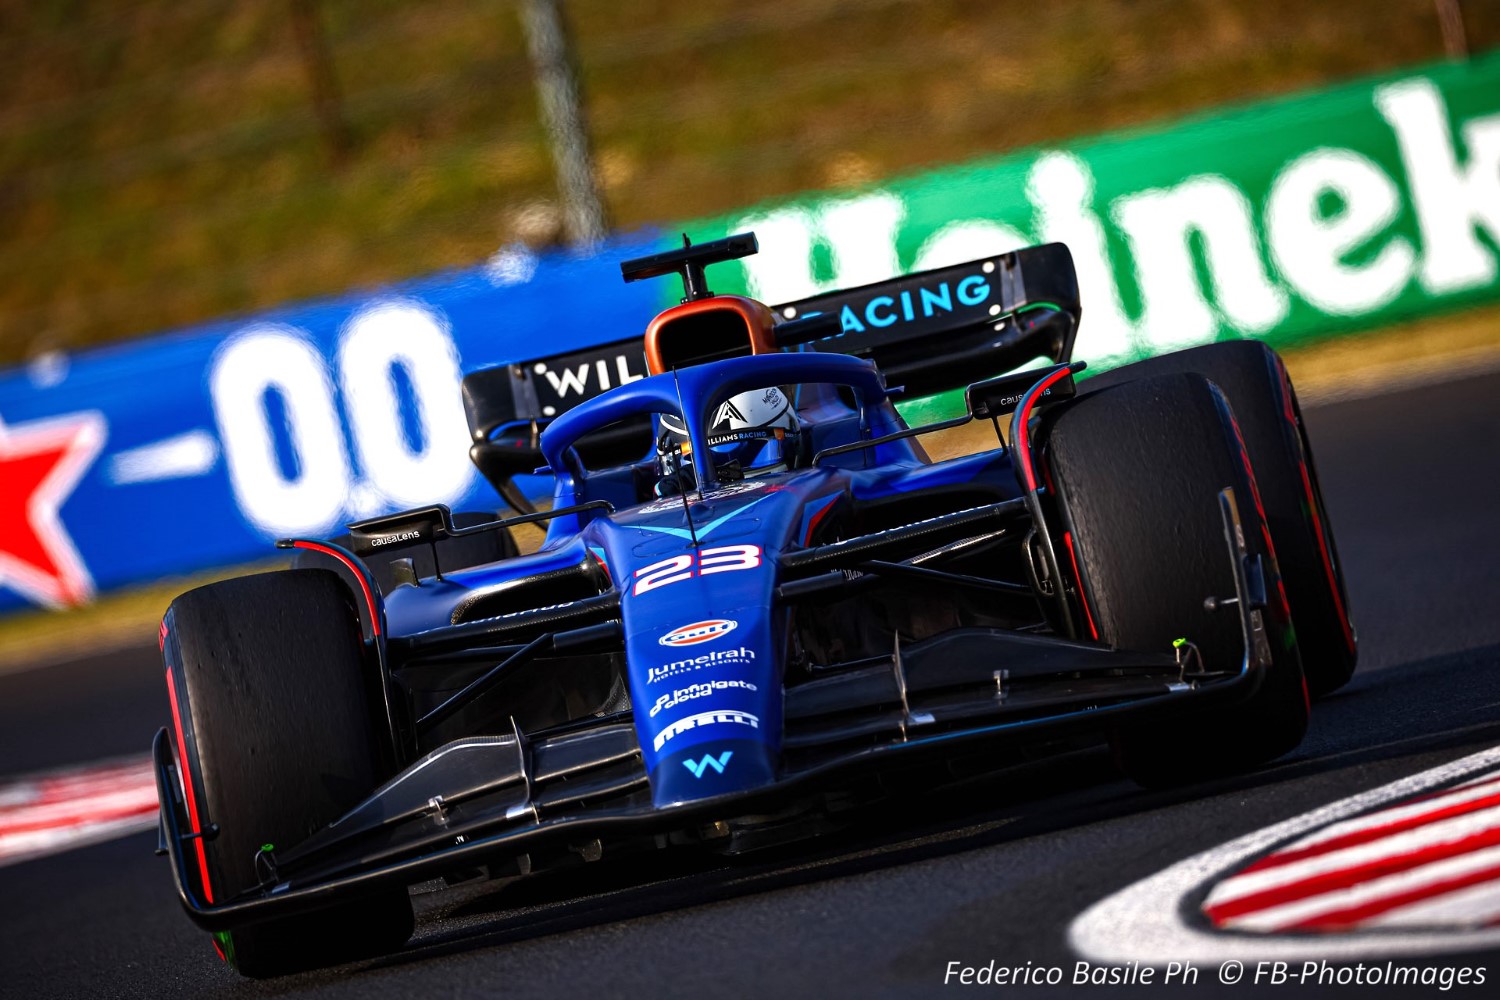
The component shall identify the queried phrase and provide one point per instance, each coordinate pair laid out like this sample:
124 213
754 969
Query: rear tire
276 736
1138 468
1254 380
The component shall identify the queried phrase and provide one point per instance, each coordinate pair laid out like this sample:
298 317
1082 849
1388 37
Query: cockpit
752 432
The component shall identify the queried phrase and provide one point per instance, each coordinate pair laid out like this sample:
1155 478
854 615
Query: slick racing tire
276 735
1254 380
452 553
1138 468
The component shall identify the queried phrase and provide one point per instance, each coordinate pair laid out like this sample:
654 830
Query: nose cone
710 769
703 641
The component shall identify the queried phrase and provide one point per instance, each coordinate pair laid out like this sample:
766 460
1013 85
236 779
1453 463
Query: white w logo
699 766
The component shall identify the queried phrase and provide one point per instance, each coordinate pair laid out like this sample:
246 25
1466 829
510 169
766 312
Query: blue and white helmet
758 431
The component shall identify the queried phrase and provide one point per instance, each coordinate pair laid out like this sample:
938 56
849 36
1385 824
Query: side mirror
997 396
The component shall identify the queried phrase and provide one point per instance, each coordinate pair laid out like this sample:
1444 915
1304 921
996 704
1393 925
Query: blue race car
758 598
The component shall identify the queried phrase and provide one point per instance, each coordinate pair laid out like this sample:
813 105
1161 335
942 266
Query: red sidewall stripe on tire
1333 583
187 787
1088 613
1265 530
1324 550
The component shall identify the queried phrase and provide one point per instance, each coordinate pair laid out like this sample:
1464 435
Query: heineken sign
1306 216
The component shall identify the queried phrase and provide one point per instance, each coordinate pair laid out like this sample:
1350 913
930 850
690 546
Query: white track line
1145 922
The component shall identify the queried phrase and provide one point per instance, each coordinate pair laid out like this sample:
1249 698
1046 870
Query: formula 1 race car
758 598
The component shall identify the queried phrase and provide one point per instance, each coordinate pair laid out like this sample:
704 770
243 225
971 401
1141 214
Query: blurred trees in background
165 163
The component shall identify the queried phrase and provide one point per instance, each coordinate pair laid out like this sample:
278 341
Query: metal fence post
1451 23
562 114
328 104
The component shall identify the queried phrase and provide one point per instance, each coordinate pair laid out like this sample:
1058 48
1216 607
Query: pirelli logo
704 719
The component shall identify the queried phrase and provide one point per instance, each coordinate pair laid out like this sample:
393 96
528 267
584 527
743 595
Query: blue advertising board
200 448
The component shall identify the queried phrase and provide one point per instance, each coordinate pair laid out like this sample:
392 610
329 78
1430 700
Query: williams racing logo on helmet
752 433
756 410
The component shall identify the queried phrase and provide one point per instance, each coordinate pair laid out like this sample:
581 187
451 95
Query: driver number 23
723 559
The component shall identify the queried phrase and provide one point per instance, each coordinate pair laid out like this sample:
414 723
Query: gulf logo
691 635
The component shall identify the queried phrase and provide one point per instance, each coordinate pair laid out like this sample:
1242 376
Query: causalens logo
691 635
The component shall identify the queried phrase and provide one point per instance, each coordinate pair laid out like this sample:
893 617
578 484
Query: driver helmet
752 434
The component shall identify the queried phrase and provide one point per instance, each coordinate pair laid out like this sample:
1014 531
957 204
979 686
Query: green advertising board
1297 218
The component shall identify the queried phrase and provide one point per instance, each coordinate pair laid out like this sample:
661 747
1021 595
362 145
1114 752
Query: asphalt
995 870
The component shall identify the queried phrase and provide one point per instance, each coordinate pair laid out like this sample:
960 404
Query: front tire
276 736
1137 469
1254 380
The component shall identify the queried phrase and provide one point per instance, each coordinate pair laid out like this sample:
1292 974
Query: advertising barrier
199 448
1320 214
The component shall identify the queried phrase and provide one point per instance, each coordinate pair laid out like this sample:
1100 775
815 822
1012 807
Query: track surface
998 872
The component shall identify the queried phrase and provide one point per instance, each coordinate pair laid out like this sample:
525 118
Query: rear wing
928 332
943 329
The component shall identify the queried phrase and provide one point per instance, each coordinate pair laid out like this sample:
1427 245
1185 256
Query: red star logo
40 464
